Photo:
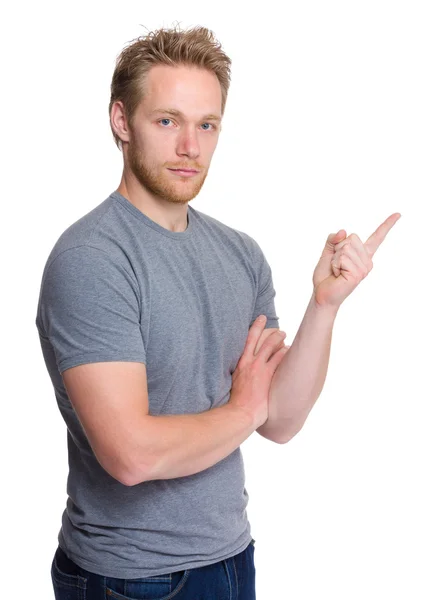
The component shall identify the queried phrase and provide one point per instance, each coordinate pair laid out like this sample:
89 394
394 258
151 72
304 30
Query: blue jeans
229 579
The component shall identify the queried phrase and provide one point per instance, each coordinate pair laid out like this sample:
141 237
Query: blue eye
207 129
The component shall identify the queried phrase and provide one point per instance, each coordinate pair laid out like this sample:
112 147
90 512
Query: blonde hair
195 46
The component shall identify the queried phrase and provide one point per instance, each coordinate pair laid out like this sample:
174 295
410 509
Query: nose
187 143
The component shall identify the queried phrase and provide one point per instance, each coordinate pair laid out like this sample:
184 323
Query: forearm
299 378
179 445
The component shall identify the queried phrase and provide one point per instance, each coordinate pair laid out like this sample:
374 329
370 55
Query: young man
145 309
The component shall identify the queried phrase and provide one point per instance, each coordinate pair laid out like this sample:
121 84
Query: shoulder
81 232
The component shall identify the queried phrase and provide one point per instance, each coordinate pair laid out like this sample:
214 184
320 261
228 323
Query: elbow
122 476
138 473
133 478
124 472
127 480
129 461
141 462
294 431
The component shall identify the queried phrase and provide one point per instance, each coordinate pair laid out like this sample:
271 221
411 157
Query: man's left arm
299 378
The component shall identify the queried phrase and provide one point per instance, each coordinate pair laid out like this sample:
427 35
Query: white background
328 125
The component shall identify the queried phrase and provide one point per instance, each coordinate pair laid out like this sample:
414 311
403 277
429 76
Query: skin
155 142
345 262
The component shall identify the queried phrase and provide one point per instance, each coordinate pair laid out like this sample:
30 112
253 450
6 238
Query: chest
196 311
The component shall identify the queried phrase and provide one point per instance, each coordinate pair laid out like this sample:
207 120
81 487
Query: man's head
186 73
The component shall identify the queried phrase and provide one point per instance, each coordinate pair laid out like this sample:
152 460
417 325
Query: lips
184 174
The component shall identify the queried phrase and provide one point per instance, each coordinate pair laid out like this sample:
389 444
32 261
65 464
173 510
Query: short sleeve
89 309
265 299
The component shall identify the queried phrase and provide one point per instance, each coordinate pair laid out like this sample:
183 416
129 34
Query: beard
162 182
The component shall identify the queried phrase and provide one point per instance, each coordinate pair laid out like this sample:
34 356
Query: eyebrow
176 113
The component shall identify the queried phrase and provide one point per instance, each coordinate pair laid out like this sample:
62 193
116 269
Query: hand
264 336
345 262
252 377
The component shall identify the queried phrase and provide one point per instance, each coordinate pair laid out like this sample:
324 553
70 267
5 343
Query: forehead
183 87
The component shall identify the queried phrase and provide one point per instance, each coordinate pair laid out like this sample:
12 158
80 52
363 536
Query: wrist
327 310
246 415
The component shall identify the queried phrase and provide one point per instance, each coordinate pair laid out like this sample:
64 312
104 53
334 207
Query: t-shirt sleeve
265 299
89 309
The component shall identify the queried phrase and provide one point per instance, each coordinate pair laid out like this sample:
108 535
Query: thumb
334 238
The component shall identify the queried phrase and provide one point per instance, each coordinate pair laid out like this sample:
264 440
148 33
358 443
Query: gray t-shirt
117 286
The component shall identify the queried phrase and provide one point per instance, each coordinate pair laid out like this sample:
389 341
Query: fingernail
261 319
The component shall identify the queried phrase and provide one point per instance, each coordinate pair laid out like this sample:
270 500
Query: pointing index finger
376 238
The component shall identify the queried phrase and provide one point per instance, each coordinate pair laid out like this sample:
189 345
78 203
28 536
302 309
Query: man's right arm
89 313
111 402
180 445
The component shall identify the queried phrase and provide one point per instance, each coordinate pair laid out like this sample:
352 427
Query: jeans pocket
155 587
66 577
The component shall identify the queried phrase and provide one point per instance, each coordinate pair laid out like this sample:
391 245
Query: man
148 324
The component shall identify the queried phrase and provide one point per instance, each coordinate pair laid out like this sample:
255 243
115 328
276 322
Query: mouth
184 172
